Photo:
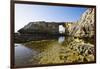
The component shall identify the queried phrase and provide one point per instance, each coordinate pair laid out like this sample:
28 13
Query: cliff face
41 27
84 27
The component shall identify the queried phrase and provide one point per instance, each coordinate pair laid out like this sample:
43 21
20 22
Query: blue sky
25 13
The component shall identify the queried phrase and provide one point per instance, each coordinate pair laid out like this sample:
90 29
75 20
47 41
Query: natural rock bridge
43 27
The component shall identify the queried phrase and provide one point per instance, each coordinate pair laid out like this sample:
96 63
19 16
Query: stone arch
61 29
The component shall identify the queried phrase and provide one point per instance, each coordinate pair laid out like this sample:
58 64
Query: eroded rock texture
84 27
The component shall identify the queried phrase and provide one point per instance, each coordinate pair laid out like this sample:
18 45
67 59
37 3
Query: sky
25 13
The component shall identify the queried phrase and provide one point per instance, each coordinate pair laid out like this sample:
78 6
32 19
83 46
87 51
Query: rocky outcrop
87 22
84 27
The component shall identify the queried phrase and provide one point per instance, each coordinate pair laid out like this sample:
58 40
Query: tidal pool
51 51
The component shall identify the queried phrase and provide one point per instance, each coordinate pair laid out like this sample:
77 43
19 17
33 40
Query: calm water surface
23 54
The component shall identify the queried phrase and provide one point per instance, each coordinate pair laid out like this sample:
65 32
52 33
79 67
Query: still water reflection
61 50
61 39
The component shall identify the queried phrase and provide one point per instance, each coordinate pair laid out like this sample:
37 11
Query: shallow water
61 50
23 54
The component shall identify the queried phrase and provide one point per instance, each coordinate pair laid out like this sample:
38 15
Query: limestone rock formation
83 27
87 22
